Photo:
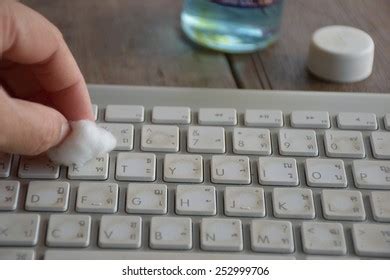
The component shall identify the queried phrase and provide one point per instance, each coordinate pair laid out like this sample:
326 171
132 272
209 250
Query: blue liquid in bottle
233 26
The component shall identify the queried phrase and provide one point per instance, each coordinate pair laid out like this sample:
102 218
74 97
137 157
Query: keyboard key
264 118
97 197
95 169
271 236
39 167
293 203
95 111
9 193
371 174
171 233
278 171
19 229
323 238
202 139
380 144
195 200
298 142
343 205
136 167
360 121
160 138
171 115
371 240
93 254
230 170
68 231
146 199
325 173
123 133
120 232
221 235
387 121
330 257
244 202
348 144
217 116
310 119
124 113
47 196
183 168
252 141
5 164
16 254
380 205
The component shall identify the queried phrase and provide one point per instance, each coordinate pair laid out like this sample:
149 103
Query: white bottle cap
341 54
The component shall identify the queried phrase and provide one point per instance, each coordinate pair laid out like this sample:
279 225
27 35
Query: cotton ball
86 141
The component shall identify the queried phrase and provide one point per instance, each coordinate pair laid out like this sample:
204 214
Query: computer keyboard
211 174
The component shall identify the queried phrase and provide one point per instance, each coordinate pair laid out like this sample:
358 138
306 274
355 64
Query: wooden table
140 43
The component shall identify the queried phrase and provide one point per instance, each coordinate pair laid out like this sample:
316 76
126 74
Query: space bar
153 255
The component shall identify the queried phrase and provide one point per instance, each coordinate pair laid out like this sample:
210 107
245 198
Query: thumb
29 128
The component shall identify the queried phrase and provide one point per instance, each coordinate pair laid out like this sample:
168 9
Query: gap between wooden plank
246 72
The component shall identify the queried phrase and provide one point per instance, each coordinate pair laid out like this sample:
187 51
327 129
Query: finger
19 81
29 128
29 38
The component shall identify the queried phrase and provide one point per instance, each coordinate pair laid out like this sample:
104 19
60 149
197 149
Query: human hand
41 86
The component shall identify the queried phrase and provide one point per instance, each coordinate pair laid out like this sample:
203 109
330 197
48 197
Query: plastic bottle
233 26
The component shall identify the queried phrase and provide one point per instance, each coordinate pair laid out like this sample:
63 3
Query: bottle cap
341 54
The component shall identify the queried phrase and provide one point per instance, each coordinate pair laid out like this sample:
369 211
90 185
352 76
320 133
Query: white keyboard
211 174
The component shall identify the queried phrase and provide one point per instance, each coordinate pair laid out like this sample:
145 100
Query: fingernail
65 129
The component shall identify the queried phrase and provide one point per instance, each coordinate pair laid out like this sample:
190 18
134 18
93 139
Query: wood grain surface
134 42
283 66
140 43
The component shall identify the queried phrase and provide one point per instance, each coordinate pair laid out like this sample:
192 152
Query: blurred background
141 43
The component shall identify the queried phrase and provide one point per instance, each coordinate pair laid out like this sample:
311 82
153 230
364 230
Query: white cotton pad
85 142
